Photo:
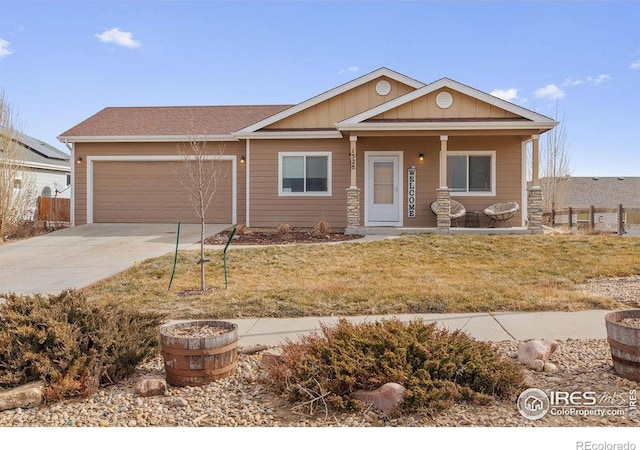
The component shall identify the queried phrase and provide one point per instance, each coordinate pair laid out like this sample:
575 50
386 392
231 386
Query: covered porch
404 182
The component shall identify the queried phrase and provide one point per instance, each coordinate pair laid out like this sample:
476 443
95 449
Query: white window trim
281 193
492 154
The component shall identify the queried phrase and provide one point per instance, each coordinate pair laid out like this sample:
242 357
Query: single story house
47 168
373 152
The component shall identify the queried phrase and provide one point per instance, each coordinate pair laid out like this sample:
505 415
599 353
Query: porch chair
501 212
457 210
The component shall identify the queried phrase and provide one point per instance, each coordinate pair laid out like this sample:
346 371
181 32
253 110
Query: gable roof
382 72
168 123
38 153
600 191
226 123
359 121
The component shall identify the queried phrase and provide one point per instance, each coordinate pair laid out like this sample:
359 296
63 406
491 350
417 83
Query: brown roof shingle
172 120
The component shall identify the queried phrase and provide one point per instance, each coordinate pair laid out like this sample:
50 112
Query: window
305 173
471 173
68 179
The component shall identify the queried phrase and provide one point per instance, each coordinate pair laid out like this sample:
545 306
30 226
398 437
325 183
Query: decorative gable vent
444 100
383 87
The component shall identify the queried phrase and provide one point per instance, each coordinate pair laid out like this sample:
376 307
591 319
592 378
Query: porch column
535 159
353 191
443 195
534 192
443 161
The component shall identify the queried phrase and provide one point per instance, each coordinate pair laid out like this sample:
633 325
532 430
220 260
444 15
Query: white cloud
550 91
505 94
572 82
635 65
352 69
4 48
591 81
115 36
594 81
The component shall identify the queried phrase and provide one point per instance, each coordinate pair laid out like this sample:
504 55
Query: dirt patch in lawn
273 237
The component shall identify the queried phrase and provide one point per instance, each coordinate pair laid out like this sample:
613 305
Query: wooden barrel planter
199 352
624 339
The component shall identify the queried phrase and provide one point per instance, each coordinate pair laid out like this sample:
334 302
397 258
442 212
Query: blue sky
61 62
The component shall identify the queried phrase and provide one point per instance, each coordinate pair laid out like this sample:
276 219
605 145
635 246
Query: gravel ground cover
245 399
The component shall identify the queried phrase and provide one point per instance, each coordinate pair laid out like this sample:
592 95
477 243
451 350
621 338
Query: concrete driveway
79 256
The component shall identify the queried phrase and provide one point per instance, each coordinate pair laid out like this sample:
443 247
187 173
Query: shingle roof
172 120
602 191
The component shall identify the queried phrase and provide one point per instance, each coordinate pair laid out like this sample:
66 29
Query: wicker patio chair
457 210
501 212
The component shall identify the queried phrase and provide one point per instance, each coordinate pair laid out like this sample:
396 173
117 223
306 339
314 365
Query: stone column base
444 208
353 208
534 209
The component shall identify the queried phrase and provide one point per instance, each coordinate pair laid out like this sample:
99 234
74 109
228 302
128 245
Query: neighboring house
49 168
601 193
347 155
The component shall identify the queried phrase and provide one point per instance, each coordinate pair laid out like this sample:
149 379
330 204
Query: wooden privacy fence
615 220
54 209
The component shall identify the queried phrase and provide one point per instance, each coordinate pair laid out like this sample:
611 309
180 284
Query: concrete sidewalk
482 326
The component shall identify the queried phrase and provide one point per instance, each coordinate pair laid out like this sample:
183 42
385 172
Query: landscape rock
26 396
535 353
150 387
385 398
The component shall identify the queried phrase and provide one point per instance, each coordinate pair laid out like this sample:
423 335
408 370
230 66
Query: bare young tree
201 172
17 183
555 166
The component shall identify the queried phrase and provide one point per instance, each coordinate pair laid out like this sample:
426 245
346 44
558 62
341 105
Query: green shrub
71 344
437 367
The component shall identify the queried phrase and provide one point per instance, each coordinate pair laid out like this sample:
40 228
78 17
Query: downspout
72 160
247 181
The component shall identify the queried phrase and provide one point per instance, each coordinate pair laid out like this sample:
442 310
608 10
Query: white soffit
382 72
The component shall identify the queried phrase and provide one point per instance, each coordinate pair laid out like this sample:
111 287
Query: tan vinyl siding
463 107
85 150
326 114
268 209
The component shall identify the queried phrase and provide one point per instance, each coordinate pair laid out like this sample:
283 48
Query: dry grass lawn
411 274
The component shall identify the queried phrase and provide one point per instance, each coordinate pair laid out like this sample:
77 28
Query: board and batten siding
268 209
463 107
85 150
357 100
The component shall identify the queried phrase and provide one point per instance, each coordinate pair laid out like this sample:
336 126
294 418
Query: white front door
383 193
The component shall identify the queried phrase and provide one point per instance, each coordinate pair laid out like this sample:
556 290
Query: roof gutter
154 138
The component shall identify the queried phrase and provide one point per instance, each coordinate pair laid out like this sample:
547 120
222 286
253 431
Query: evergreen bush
71 344
436 366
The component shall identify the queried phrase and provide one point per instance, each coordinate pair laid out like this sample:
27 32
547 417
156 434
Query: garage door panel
149 191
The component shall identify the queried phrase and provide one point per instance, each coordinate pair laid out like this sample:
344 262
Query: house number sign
411 192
